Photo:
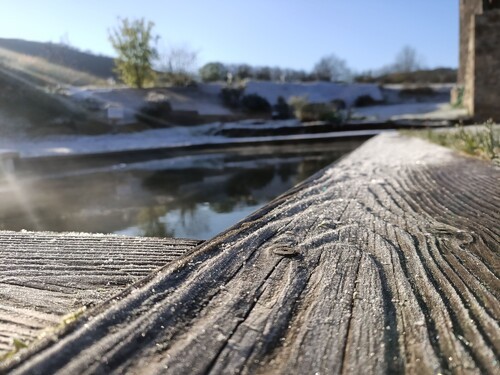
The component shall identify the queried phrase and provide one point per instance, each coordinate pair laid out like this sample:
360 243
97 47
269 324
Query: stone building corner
479 70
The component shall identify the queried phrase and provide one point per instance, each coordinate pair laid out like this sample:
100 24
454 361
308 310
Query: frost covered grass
482 141
44 72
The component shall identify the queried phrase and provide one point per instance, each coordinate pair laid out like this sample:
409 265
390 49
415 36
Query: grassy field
482 141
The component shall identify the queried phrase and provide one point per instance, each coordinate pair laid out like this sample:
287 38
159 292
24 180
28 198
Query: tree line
139 63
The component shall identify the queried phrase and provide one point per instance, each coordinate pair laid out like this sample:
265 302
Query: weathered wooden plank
44 276
387 261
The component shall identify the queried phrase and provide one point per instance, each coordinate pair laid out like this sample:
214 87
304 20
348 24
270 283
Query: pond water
191 196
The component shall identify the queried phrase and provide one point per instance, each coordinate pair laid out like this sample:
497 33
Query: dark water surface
195 196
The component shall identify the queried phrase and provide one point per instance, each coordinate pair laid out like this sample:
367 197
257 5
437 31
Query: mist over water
193 196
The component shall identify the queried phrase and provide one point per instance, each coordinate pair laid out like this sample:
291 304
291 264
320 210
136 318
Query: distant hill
69 57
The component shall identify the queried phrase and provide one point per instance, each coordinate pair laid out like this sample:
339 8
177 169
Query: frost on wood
44 276
391 265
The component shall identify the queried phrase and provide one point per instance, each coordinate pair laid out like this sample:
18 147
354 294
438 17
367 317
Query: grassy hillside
61 55
26 108
44 73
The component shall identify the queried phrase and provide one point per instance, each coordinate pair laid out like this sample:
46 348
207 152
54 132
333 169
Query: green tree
213 71
134 43
244 71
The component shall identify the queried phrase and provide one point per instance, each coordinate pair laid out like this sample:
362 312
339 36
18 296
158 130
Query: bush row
298 106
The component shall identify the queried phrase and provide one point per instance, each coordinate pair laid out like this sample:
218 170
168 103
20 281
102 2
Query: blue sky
288 33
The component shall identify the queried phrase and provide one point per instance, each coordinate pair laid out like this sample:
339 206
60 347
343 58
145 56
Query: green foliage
482 141
306 111
254 103
319 112
213 71
460 98
216 71
134 42
297 103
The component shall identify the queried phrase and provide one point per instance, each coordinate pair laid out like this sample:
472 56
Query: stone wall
468 66
486 66
479 71
468 8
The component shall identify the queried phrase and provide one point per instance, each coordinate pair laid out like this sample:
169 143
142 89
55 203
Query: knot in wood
284 250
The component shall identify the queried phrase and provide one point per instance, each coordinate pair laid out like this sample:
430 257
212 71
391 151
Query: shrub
179 79
331 116
153 112
459 101
214 71
306 111
319 112
281 110
297 103
231 96
254 103
338 104
364 101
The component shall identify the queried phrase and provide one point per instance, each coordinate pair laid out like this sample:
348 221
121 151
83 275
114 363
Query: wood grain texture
386 262
44 276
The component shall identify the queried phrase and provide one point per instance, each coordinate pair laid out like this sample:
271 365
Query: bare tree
178 64
332 68
407 60
178 59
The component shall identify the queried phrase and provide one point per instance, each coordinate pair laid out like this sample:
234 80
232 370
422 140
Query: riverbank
202 137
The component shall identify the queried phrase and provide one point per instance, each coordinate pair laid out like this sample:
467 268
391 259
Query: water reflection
151 225
194 196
